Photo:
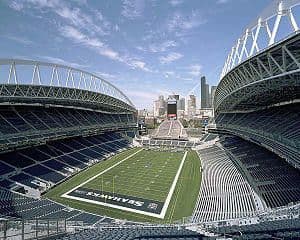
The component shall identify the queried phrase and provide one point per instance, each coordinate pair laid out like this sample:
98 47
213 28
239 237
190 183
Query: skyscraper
212 94
207 97
181 104
204 93
159 107
156 108
191 106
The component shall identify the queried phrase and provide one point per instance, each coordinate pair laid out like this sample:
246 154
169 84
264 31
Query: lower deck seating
224 192
89 219
135 232
274 229
53 162
14 205
277 182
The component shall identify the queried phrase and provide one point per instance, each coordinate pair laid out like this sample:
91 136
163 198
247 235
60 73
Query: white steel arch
247 45
56 75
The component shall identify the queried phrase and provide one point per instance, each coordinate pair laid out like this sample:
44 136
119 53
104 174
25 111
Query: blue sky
144 47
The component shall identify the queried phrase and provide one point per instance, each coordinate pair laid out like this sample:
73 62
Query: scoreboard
172 108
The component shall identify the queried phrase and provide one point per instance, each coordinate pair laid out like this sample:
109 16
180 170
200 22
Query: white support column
90 83
236 53
254 44
12 71
244 46
68 78
95 84
276 24
54 74
266 25
36 75
231 58
226 64
84 81
292 20
72 79
80 80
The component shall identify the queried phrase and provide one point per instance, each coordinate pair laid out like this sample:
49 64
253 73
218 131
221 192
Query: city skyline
186 105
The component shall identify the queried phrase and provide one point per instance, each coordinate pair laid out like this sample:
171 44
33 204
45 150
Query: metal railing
31 229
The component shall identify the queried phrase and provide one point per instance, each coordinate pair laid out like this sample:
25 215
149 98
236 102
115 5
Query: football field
140 182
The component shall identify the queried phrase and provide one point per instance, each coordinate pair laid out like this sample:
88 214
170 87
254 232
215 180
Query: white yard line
166 203
172 189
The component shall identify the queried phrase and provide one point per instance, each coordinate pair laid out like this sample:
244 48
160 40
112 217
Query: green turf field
137 174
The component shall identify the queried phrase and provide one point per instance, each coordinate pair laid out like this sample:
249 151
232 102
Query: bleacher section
170 129
14 205
23 126
280 229
43 166
224 192
281 223
277 182
135 232
277 128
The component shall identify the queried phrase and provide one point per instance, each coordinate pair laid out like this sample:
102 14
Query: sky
144 47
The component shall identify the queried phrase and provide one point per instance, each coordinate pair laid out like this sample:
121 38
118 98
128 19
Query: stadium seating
224 192
277 128
170 129
273 229
21 126
13 205
55 161
273 178
135 232
164 129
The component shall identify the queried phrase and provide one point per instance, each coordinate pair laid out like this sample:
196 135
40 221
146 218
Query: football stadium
73 166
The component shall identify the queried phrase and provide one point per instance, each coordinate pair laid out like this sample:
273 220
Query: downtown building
207 97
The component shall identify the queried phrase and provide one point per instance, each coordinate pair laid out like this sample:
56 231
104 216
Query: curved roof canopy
20 72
